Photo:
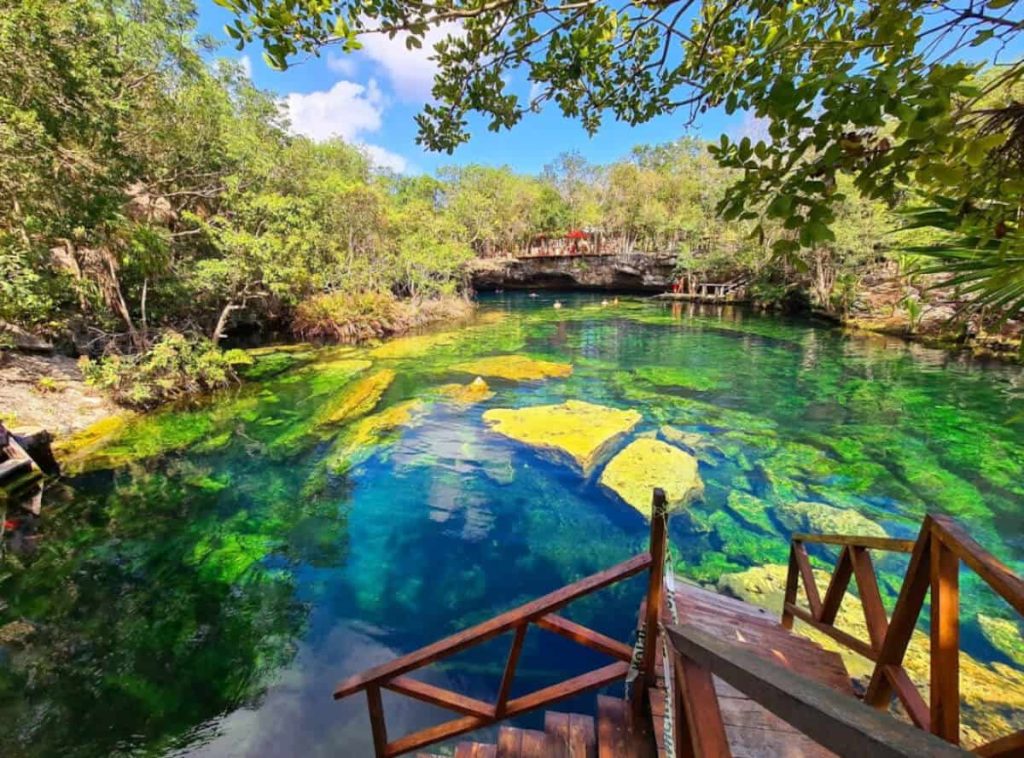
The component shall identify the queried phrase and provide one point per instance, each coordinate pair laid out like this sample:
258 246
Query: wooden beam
493 627
877 543
844 638
904 618
996 574
945 647
653 599
870 598
510 670
586 637
910 696
539 699
377 725
803 563
835 721
704 726
439 696
1004 747
836 587
792 585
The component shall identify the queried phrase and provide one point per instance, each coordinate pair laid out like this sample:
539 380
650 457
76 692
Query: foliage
175 366
352 318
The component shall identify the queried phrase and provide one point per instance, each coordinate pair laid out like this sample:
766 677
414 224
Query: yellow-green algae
357 399
516 368
647 463
992 695
583 431
1004 635
819 518
359 440
477 391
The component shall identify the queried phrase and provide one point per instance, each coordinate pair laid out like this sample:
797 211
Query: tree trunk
222 322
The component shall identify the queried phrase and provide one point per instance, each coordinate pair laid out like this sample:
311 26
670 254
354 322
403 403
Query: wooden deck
752 731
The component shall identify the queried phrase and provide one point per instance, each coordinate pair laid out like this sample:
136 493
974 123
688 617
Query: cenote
202 577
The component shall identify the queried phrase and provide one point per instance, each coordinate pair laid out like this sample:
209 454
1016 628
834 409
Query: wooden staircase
567 735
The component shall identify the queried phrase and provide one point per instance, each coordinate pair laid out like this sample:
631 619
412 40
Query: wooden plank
837 587
870 597
835 721
510 742
1004 747
495 626
654 599
904 618
704 725
996 574
557 725
377 724
838 635
539 699
428 693
803 564
510 670
945 642
910 696
536 744
586 637
582 736
612 728
876 543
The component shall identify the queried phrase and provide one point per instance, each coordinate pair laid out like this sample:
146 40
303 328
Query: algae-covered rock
475 392
357 399
646 464
91 438
1004 635
581 430
992 697
818 518
516 368
702 379
751 510
413 346
359 440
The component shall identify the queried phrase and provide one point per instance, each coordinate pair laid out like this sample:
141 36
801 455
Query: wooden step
614 737
475 750
12 468
527 743
575 731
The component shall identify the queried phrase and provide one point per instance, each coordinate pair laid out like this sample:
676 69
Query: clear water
202 585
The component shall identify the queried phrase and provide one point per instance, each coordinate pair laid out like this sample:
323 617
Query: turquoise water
202 579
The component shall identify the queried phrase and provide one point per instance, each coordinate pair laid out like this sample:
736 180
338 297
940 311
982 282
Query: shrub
174 367
351 318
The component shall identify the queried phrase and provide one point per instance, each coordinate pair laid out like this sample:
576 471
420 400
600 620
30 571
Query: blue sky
371 96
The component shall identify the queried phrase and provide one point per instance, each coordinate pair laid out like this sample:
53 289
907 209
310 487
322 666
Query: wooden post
945 648
377 726
655 594
510 670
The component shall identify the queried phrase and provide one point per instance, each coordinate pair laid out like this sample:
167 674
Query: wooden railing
835 721
935 559
477 714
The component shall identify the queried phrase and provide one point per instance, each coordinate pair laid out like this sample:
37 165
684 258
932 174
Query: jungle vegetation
148 193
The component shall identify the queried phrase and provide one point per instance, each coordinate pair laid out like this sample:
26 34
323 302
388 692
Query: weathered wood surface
837 722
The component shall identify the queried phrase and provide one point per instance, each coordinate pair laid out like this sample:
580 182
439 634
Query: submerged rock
581 430
360 439
357 399
1004 635
818 518
645 464
992 696
516 368
751 510
413 346
475 392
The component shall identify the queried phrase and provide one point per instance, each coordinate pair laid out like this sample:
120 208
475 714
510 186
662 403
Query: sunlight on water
207 575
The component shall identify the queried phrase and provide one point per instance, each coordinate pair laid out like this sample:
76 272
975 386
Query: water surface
204 582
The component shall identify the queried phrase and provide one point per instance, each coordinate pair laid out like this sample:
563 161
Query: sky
370 97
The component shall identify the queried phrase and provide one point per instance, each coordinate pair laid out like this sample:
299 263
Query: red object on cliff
576 234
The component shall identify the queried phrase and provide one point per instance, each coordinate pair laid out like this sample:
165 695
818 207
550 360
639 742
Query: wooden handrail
835 721
934 567
494 627
475 714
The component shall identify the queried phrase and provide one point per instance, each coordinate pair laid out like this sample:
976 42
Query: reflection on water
206 578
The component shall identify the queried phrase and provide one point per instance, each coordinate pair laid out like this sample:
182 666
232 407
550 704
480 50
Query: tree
887 92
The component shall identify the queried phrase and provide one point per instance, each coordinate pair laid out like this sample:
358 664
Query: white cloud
348 110
410 72
344 64
345 110
384 158
246 63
